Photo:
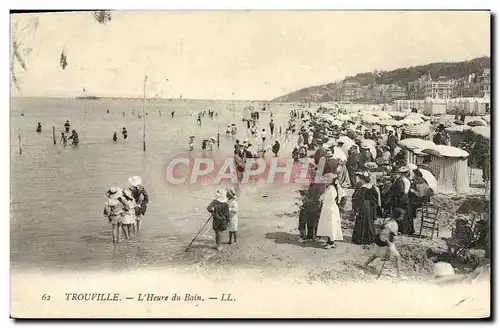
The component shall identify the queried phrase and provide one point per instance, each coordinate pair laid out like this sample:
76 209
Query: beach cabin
450 166
434 106
457 134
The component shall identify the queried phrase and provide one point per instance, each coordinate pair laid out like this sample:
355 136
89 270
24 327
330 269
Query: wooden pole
144 114
20 145
54 134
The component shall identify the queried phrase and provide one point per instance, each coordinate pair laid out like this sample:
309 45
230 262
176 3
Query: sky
248 55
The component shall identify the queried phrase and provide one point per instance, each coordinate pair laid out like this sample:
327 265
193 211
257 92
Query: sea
58 193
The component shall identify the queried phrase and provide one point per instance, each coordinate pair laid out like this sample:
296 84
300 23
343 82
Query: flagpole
144 114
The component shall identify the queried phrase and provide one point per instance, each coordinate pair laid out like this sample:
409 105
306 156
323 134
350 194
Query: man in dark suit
392 142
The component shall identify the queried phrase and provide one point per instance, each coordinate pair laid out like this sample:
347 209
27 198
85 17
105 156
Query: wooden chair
429 219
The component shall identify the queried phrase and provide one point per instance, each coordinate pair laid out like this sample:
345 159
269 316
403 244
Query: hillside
401 77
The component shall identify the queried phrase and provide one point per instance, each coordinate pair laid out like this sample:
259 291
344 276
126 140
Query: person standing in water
74 138
64 139
220 215
276 148
199 119
191 142
128 216
263 135
124 133
67 126
140 196
159 112
39 127
172 113
271 127
113 210
115 137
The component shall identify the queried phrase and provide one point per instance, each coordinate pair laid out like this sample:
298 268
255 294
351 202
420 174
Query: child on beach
64 139
129 217
220 215
113 210
190 142
385 241
233 216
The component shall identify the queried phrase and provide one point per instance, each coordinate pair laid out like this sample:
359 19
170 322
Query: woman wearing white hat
140 196
113 210
220 215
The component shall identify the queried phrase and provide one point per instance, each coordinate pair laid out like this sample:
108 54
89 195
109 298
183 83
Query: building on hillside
441 87
416 89
486 82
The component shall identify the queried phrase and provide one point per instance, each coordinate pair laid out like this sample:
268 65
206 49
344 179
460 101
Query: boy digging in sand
385 242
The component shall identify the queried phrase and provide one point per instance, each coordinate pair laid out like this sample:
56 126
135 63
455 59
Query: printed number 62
45 297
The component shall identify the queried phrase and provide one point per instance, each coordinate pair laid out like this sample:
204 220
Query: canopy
458 128
398 114
390 122
382 115
414 143
477 123
412 121
418 130
446 151
369 119
483 131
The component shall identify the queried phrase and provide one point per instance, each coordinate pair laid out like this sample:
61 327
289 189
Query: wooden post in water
144 114
20 145
54 134
218 136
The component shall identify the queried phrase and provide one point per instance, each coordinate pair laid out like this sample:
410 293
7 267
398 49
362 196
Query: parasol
338 153
369 119
430 179
397 114
382 115
345 139
483 131
369 142
342 117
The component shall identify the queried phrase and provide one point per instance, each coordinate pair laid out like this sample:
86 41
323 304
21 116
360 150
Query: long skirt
364 228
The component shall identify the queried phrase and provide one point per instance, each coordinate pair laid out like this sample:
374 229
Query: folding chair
429 219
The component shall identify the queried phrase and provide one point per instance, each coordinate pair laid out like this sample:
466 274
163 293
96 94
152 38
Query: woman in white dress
329 225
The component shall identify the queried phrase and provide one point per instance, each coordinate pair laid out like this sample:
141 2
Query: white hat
325 146
114 192
404 169
135 180
221 195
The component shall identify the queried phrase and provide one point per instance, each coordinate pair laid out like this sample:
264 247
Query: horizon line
139 98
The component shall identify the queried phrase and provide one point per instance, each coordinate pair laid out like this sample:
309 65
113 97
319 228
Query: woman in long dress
365 201
329 221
